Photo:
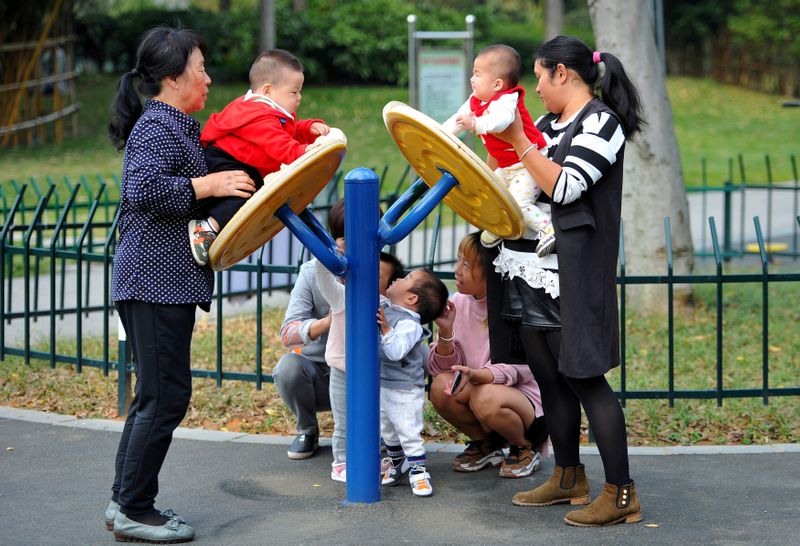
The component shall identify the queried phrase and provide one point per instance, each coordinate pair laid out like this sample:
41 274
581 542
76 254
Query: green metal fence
739 198
57 245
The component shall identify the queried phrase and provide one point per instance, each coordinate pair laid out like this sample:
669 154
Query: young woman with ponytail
559 314
156 284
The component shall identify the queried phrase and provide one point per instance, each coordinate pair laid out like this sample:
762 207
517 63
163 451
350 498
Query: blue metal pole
361 343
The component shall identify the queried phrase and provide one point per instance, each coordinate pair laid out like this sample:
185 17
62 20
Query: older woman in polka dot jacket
156 284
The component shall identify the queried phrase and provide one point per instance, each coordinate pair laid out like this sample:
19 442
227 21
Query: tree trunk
224 6
554 18
654 187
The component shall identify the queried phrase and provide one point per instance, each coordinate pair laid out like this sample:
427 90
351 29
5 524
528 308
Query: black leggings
562 398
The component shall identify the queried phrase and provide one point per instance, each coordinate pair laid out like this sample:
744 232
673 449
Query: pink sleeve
443 363
510 374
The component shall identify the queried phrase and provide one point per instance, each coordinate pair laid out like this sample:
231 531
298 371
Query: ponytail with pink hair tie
596 57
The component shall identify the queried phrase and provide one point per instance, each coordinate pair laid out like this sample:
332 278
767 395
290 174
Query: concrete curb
205 435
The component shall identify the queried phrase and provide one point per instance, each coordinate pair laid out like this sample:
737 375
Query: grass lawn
712 120
238 406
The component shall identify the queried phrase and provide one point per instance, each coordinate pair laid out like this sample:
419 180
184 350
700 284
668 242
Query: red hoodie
257 134
500 149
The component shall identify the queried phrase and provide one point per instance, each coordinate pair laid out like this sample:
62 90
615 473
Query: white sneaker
201 236
420 481
489 239
547 241
339 472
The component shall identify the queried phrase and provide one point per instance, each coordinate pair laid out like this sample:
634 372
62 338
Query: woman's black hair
163 52
398 270
616 89
336 219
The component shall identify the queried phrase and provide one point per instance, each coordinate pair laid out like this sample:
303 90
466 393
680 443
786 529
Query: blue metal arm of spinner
315 237
431 198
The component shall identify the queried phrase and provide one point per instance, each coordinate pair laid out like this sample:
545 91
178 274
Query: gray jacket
306 304
409 371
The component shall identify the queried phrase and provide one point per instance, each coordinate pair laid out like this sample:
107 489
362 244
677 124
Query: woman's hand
445 322
224 184
320 327
514 134
480 376
542 169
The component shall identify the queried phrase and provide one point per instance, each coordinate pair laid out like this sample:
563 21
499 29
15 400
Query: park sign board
442 78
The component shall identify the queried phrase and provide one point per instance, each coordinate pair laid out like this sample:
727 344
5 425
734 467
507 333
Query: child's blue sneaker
395 472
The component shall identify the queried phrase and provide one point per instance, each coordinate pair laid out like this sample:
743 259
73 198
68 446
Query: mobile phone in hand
455 386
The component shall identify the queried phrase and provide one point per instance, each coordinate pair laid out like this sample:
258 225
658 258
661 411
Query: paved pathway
55 475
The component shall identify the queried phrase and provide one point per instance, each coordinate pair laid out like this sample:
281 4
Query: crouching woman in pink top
493 404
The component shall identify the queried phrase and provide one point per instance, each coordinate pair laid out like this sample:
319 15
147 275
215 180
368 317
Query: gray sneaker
478 455
303 446
547 241
200 238
111 513
489 239
394 474
173 531
520 463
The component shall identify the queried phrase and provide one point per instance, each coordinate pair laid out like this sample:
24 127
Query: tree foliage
338 41
774 26
769 29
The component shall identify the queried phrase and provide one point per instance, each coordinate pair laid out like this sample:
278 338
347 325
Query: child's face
469 277
399 292
287 91
484 81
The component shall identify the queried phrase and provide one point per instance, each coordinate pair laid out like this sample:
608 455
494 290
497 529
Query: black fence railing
57 245
738 199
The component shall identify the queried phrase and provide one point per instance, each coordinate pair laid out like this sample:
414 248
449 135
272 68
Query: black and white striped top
592 151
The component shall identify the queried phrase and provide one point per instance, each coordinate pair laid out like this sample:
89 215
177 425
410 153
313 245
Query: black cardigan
587 235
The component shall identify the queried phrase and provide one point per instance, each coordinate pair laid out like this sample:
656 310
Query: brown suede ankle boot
613 505
567 484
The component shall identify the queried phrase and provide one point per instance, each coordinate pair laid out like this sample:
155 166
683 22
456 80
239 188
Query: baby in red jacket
256 133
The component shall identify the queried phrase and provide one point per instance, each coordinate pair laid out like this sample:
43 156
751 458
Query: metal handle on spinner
307 228
431 198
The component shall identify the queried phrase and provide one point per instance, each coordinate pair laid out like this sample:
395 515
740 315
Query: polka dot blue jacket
153 261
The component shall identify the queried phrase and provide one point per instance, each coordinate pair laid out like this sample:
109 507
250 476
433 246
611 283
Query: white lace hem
513 264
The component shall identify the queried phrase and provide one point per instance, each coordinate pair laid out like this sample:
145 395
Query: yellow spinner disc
480 197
